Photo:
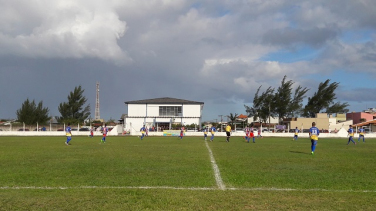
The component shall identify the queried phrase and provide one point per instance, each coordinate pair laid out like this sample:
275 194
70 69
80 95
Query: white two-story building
161 113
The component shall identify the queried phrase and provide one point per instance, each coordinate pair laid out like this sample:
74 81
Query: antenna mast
97 116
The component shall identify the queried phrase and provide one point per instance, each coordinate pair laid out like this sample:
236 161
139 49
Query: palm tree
233 118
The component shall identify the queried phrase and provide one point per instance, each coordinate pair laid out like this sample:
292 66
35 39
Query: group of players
68 133
248 133
314 133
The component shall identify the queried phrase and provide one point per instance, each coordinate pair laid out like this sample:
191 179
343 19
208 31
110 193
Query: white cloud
63 29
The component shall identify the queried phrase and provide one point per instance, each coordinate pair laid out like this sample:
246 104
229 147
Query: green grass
166 173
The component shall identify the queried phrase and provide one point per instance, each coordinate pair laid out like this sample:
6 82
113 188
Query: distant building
323 122
161 113
359 117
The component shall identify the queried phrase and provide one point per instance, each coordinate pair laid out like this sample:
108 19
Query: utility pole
221 120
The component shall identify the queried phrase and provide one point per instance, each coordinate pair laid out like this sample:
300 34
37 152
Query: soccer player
259 133
314 133
252 135
91 132
351 135
105 130
246 130
228 132
212 130
181 132
296 134
143 130
68 133
205 132
361 134
146 131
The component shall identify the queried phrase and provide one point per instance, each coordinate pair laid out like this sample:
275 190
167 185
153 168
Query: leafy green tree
286 105
74 111
30 113
323 99
281 103
261 105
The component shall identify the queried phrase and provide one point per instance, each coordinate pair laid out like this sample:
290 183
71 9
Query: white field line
185 188
217 174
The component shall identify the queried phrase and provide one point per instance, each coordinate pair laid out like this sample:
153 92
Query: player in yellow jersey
228 132
68 133
205 130
361 134
351 135
314 136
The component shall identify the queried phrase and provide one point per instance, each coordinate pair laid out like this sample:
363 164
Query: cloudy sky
215 51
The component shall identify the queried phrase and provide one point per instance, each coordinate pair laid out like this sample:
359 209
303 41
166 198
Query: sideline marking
217 174
186 188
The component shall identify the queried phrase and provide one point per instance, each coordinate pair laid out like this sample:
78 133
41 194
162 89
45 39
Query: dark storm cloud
314 37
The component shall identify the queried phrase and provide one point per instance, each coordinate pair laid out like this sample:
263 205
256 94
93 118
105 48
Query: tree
323 99
296 106
284 103
73 111
30 113
261 105
233 118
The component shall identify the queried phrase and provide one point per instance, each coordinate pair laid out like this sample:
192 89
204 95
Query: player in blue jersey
361 134
351 135
104 131
205 130
314 133
296 134
68 133
143 131
212 130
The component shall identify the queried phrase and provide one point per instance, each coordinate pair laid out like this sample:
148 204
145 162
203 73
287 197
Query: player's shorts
227 133
314 137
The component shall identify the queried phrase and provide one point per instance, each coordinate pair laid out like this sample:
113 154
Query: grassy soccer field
166 173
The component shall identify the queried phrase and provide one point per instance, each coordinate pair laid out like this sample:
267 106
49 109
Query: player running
351 135
68 133
205 130
104 131
143 131
361 134
212 130
314 133
252 135
259 133
246 130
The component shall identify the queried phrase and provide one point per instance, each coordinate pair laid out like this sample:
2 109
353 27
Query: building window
170 111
